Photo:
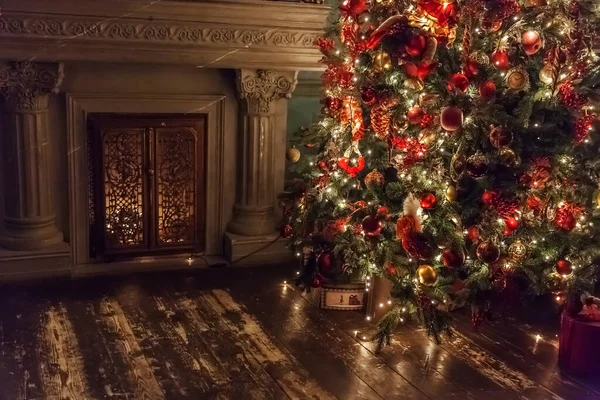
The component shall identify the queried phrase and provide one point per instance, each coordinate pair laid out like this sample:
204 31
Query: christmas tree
456 155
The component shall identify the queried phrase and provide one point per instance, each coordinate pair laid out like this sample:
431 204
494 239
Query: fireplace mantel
208 34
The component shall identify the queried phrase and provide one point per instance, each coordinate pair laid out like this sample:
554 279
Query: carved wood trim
261 87
22 82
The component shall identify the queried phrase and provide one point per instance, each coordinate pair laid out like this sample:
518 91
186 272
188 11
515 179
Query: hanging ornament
511 224
457 165
416 244
371 226
293 154
508 157
324 262
487 89
451 118
477 165
416 45
480 58
382 61
564 267
415 115
490 198
374 179
451 193
547 74
390 269
404 225
352 167
488 252
500 137
458 82
352 113
500 59
427 201
369 96
517 79
383 212
427 275
380 121
453 258
517 251
566 215
532 42
333 105
353 7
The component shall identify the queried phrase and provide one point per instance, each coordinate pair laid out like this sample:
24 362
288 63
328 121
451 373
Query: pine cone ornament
380 121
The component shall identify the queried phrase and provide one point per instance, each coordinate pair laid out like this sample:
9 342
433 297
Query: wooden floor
236 334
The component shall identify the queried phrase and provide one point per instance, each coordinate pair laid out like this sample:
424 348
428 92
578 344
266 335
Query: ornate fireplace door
146 184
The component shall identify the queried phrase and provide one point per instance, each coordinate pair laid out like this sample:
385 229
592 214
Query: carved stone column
253 211
29 219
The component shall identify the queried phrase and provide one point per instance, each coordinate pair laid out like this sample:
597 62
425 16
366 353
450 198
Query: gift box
579 343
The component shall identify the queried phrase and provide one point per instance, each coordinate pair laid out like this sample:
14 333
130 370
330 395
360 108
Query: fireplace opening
146 186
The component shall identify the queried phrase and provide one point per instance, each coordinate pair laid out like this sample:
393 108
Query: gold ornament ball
427 275
517 79
293 155
508 157
517 251
451 193
547 75
382 61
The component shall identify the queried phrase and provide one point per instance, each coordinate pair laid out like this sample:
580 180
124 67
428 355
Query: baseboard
51 262
254 250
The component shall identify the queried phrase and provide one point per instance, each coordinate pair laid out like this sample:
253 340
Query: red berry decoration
415 115
489 197
369 96
500 59
416 45
371 226
473 233
532 42
459 82
453 258
286 231
324 262
451 118
564 267
427 201
417 245
488 252
487 89
316 281
500 137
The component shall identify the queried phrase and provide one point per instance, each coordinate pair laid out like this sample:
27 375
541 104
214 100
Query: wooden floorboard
238 334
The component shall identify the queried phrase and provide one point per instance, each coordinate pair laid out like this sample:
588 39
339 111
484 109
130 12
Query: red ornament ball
489 197
451 118
566 221
511 222
416 45
316 281
415 115
488 252
532 42
371 226
500 59
427 201
487 89
324 262
564 267
390 269
458 81
500 137
417 245
323 167
369 96
453 258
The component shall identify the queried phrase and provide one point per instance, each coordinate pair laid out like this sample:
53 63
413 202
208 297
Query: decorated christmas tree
457 155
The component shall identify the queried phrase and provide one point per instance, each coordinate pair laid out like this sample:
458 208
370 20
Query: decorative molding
81 29
22 82
261 87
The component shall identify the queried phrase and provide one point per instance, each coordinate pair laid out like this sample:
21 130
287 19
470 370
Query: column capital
22 82
261 87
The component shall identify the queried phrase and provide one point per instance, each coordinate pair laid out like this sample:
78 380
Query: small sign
350 296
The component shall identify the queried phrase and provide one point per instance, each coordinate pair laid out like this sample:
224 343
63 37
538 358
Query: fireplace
146 184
